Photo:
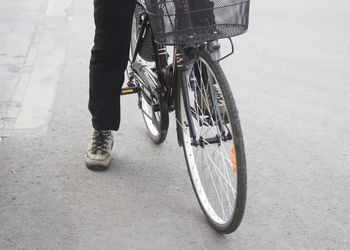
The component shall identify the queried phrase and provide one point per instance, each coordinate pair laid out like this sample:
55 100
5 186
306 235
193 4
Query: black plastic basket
184 22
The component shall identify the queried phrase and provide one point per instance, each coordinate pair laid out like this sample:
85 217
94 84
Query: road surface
290 77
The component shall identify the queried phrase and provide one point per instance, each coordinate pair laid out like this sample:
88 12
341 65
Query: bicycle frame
195 87
181 64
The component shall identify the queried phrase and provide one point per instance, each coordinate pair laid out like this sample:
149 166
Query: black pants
108 62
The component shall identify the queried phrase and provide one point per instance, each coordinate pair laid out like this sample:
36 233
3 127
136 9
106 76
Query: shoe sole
98 167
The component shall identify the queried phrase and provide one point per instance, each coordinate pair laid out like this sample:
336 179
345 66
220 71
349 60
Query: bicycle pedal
129 91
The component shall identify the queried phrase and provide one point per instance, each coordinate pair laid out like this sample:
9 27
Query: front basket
184 22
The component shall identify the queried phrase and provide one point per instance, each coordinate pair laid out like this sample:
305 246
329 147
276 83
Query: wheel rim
148 114
212 166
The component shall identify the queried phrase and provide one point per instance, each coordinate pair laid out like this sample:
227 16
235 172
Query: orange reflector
223 121
127 91
234 161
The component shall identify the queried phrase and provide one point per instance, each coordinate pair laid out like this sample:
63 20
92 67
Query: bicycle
195 88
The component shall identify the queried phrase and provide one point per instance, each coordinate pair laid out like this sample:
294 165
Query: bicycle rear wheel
216 157
153 107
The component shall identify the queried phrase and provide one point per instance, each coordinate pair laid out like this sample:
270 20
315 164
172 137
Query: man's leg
109 58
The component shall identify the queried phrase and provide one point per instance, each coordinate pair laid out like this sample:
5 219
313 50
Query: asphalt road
290 77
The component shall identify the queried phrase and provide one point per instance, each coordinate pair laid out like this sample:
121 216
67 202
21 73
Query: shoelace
100 141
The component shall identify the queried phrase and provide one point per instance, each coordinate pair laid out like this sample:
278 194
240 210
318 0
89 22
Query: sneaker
98 156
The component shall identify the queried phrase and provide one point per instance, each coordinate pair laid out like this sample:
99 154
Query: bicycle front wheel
215 157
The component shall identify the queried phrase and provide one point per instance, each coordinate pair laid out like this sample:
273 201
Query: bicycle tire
234 220
157 122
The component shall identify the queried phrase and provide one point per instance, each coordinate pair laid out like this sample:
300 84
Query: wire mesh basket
183 22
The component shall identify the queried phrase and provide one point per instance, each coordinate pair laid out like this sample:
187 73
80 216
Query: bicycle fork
183 64
181 87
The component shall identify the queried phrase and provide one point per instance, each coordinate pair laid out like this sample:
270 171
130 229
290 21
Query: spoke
224 191
226 156
206 99
221 185
203 120
222 207
228 176
223 176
